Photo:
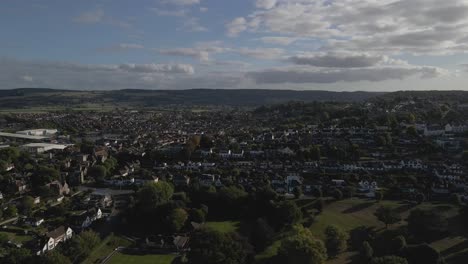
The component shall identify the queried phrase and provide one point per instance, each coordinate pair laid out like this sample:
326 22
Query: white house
53 238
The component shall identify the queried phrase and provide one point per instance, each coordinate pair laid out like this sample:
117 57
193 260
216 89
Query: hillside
29 97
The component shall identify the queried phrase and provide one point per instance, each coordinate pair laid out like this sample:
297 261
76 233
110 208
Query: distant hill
43 97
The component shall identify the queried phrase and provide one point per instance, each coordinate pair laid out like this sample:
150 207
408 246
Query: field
106 247
17 238
121 258
352 213
223 227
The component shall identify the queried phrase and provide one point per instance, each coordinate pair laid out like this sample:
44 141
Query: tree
378 196
17 256
98 173
11 211
26 205
422 253
262 234
412 131
287 213
81 245
335 240
349 191
197 216
337 194
420 198
319 204
398 244
366 251
154 194
317 193
389 260
387 215
315 153
4 238
177 219
213 247
44 175
54 257
297 191
301 247
427 224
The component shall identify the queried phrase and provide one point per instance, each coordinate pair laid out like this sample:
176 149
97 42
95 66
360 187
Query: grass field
17 237
121 258
352 213
223 227
106 247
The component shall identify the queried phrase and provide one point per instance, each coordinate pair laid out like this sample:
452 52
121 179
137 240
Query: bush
337 194
389 260
378 196
427 225
366 251
420 198
422 253
336 240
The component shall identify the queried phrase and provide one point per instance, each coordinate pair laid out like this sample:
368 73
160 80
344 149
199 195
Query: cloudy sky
339 45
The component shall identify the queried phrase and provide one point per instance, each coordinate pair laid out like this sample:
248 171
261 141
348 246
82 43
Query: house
54 237
237 154
86 218
100 200
181 180
207 180
286 151
21 186
58 188
224 154
206 152
101 154
431 131
32 221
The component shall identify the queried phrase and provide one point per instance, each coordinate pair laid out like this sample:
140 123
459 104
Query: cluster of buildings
216 149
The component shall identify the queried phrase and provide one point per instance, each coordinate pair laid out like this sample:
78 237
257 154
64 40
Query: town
184 184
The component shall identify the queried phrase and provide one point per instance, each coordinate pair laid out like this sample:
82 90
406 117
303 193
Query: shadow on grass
455 249
358 208
459 258
404 207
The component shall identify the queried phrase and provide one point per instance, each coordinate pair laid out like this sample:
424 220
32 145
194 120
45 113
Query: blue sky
277 44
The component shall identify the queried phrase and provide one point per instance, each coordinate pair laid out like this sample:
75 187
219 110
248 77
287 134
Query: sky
336 45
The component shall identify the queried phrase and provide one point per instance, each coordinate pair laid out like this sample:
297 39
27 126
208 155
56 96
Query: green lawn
223 227
352 213
106 247
120 258
17 237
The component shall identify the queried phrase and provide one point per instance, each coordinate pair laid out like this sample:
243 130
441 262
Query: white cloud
62 75
261 53
327 76
27 78
192 24
391 26
122 47
265 4
174 13
202 51
182 2
339 60
90 17
202 55
278 40
236 26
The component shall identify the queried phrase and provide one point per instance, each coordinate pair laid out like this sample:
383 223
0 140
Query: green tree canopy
387 215
301 247
335 240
